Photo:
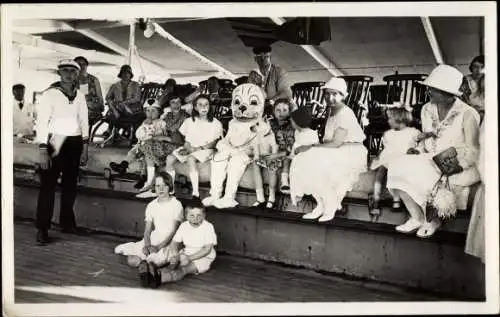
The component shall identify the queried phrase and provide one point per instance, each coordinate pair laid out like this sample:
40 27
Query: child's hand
425 135
145 250
154 249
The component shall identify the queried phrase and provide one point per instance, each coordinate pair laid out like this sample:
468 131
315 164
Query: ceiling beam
316 53
163 33
93 24
431 36
121 50
38 42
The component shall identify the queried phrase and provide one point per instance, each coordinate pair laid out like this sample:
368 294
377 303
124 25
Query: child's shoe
119 168
396 206
144 275
140 183
410 226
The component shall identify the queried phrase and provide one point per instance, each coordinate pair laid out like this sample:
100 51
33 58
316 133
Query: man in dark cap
90 86
275 78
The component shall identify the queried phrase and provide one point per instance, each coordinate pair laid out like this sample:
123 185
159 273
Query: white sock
172 174
260 195
284 179
377 190
151 175
272 195
195 182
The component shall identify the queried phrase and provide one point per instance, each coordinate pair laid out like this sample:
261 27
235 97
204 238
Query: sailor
62 136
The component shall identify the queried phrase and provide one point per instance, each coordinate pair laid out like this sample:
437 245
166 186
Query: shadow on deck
84 269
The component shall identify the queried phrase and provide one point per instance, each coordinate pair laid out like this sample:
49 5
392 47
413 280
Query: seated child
396 142
153 145
199 240
301 121
163 216
201 133
283 133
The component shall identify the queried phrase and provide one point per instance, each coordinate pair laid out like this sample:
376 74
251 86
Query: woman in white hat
328 170
446 122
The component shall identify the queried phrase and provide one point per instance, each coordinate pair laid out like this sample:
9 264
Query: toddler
163 216
198 237
397 140
201 133
152 146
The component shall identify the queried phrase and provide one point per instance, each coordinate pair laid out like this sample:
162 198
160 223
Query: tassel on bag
441 201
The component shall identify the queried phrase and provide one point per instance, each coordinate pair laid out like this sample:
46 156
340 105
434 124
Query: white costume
396 143
164 216
235 149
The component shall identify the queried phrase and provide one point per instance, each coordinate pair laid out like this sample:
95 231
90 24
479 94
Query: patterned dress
158 150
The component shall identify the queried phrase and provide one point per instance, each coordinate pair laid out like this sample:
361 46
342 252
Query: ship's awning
373 46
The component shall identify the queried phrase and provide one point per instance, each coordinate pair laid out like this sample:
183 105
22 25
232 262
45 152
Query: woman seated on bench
124 100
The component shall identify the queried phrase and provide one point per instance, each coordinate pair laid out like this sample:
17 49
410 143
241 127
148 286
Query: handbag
447 162
441 201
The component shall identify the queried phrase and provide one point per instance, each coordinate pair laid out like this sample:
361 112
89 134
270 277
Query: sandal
144 274
396 206
270 204
259 204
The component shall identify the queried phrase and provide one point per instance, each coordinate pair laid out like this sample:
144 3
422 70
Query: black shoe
144 275
140 183
154 276
42 238
119 168
76 231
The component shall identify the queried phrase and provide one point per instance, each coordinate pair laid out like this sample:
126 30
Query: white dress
164 217
304 137
199 133
417 174
475 243
396 143
329 173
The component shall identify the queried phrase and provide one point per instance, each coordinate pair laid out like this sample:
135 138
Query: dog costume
246 130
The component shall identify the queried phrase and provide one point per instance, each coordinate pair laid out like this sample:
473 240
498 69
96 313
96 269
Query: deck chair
127 125
358 89
405 88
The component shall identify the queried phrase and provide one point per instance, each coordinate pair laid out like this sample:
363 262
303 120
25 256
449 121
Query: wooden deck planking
69 261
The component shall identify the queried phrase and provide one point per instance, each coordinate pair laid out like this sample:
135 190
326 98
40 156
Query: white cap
68 62
445 78
338 84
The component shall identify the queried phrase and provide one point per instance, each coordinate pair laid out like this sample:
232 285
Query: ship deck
77 269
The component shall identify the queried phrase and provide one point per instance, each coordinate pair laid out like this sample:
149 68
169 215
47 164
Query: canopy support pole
431 36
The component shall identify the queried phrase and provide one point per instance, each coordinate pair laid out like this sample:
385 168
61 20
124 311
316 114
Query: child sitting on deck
163 216
396 142
199 240
201 132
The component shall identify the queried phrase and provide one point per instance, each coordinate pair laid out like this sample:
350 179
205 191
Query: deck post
431 36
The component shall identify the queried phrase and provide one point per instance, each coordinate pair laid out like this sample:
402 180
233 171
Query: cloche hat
338 84
445 78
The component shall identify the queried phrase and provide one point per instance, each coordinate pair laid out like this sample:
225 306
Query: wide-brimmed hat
446 78
68 63
337 84
125 68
